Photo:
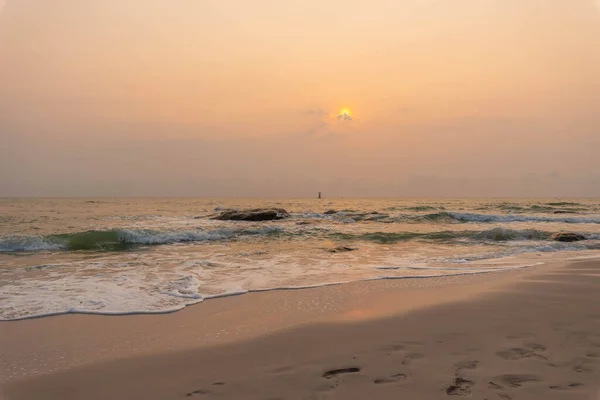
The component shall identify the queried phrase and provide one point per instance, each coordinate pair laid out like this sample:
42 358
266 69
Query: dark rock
564 212
330 212
256 214
567 237
342 249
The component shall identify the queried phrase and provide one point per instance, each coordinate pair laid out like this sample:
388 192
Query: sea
159 255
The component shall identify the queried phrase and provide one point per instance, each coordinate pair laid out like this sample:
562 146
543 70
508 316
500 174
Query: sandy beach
528 334
299 200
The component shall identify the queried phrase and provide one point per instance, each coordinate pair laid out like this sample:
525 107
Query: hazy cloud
316 112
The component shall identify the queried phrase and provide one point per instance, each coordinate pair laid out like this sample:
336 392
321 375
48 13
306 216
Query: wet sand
530 334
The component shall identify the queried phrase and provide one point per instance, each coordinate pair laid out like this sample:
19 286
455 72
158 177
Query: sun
345 115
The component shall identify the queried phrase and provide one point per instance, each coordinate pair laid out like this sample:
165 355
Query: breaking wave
120 239
483 218
498 234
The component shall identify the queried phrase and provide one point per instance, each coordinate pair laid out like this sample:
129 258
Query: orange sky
231 97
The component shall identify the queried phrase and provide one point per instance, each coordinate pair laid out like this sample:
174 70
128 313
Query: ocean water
121 256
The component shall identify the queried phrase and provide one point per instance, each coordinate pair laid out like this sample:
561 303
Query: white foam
12 243
115 286
511 249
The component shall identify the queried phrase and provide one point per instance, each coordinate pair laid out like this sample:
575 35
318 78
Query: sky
415 98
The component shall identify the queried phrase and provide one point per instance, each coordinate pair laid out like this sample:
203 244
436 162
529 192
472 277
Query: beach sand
527 334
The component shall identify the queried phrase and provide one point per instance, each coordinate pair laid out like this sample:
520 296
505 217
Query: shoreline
276 289
291 308
66 351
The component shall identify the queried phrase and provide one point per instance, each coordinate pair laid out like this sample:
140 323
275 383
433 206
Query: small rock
342 249
567 237
330 212
564 212
256 214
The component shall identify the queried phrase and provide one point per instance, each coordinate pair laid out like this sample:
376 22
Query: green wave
393 237
121 239
92 240
494 235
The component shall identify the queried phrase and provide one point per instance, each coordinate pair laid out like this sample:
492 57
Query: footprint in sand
199 392
578 365
336 372
517 353
466 365
514 380
391 379
536 347
582 368
461 387
411 357
494 386
567 387
504 396
285 370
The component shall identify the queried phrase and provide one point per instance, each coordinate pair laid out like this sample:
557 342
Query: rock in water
567 237
342 249
256 214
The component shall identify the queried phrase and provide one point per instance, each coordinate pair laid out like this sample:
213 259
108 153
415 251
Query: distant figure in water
319 195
